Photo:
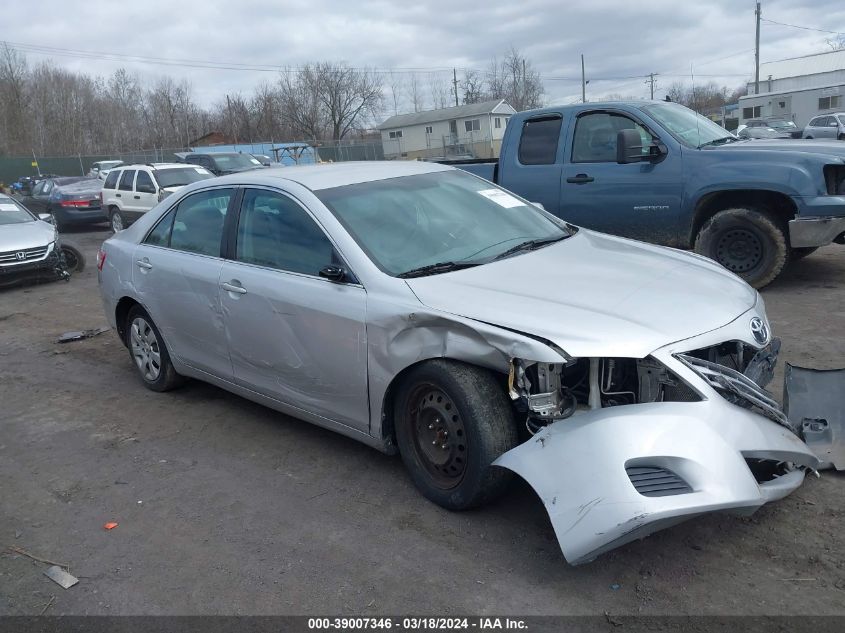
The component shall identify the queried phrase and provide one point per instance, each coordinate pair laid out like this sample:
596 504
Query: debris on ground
110 525
23 552
60 577
79 335
48 605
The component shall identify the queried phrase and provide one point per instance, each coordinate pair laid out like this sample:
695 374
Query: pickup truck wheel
452 421
148 352
747 242
116 220
800 253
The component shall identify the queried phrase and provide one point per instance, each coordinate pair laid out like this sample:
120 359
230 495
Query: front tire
747 242
148 352
452 421
74 260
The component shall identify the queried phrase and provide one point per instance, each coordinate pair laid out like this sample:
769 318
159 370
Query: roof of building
443 114
826 62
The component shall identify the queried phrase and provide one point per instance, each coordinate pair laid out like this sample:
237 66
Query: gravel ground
225 507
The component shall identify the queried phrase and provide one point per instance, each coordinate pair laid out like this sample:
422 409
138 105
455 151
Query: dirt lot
225 507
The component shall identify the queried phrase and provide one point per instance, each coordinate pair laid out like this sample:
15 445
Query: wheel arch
121 311
780 206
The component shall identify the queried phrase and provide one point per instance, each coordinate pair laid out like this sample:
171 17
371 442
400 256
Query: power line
803 28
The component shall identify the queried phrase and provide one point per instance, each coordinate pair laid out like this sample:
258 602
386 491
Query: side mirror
46 217
333 273
629 147
834 124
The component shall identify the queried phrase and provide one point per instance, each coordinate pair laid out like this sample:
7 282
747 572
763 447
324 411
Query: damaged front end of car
623 447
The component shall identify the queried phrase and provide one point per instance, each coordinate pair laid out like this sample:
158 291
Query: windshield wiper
530 245
719 141
434 269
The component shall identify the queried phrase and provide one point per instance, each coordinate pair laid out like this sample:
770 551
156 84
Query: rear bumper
69 215
815 231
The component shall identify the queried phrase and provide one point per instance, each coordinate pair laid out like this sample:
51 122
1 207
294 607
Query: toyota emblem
759 330
20 256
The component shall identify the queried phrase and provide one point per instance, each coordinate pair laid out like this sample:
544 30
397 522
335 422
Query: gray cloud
619 38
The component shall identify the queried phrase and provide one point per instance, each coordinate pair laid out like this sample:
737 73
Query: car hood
595 295
18 237
805 146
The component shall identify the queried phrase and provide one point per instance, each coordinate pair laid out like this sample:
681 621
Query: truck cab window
538 144
595 136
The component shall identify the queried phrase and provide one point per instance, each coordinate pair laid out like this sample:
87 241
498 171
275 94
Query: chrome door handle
230 287
144 264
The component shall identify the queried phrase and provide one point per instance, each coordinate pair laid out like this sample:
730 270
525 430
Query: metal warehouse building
798 88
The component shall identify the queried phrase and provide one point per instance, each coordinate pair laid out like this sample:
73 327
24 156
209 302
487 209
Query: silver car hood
18 237
595 295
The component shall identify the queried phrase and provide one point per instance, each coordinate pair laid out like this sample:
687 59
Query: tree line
52 111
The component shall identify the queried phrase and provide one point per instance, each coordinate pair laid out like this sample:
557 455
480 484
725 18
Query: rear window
111 179
181 176
538 145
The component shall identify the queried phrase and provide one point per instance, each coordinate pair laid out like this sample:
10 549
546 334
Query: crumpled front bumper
812 232
584 469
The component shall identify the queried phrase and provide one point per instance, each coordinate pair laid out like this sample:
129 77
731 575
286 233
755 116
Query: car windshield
688 127
781 125
235 161
178 177
11 213
108 164
411 222
841 118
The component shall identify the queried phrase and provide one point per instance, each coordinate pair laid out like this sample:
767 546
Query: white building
798 88
474 130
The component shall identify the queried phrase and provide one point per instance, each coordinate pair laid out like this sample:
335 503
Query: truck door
535 174
637 200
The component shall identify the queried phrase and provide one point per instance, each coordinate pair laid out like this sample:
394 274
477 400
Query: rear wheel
452 421
116 220
74 260
148 352
748 242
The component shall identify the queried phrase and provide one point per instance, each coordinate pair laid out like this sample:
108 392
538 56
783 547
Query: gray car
826 126
425 311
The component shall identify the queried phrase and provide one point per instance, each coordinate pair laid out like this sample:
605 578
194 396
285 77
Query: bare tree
472 86
515 80
415 93
350 97
439 91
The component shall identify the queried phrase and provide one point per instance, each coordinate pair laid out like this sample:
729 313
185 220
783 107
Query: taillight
75 203
101 258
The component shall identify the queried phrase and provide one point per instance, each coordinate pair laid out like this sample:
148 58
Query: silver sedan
420 309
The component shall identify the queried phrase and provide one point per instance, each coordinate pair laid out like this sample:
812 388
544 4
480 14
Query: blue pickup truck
659 172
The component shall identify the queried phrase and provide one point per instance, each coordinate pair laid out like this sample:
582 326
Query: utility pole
583 82
651 81
757 14
455 84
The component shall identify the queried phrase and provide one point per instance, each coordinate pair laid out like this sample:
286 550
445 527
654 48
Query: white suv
132 190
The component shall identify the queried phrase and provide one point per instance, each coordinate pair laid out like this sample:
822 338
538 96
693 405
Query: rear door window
539 140
199 220
126 180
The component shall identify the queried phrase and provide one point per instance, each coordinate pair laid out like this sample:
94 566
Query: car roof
157 166
326 176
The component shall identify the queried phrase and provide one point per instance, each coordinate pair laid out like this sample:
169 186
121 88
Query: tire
800 253
144 341
841 137
74 259
747 242
116 221
462 411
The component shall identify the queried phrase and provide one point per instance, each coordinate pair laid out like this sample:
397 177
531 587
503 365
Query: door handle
233 286
144 263
137 197
117 195
580 179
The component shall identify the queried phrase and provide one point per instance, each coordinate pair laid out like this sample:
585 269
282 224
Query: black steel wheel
748 242
452 421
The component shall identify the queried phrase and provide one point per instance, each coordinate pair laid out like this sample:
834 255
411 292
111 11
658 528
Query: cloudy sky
622 40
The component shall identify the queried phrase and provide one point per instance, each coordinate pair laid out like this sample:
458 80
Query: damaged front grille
737 388
654 481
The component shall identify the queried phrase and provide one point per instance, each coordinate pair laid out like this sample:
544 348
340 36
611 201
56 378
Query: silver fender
578 465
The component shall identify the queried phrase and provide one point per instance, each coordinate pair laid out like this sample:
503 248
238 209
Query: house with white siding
474 130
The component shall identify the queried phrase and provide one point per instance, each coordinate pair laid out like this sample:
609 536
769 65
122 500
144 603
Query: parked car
30 248
762 132
826 126
132 190
101 169
221 163
661 173
420 309
71 200
781 125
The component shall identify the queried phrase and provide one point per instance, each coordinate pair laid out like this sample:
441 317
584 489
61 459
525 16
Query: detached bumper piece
814 401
